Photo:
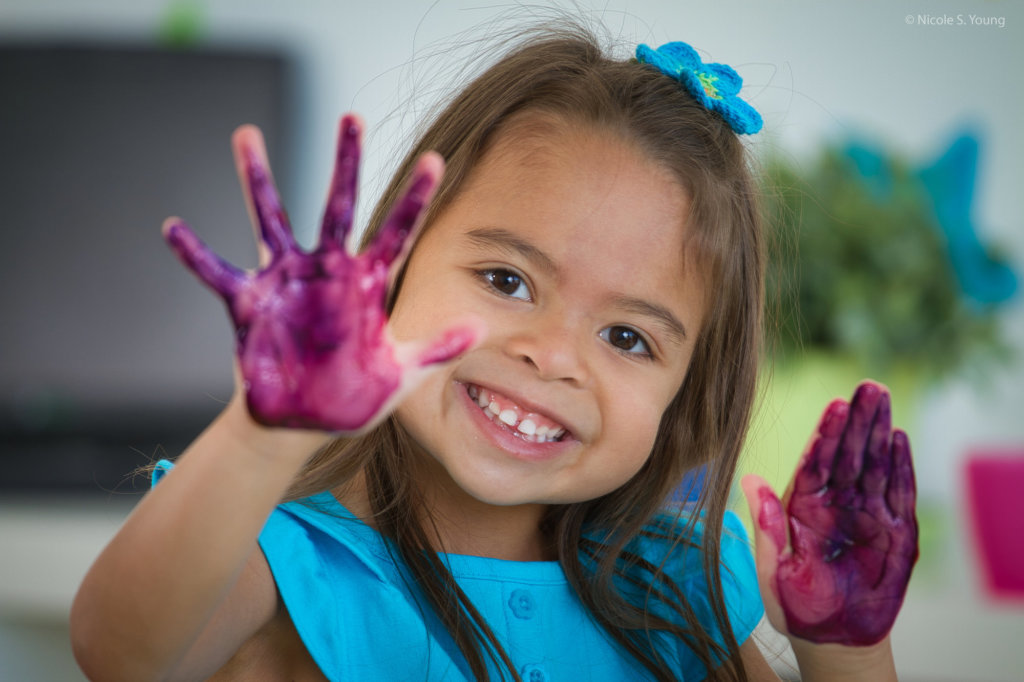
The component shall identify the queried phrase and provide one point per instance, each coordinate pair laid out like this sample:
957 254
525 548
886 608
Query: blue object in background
873 169
948 190
949 184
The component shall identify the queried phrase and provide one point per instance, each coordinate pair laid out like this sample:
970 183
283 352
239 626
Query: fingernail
885 405
422 185
868 390
901 443
835 418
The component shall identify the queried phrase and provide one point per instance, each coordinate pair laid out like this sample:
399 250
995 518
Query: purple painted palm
852 527
311 329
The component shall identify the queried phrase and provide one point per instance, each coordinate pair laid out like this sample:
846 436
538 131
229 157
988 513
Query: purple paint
852 528
311 327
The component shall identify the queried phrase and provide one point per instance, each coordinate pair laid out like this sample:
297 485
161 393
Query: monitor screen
111 353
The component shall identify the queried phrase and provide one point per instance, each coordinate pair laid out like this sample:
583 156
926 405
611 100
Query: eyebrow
669 322
509 242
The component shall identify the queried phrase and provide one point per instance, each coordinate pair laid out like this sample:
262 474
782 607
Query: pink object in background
995 499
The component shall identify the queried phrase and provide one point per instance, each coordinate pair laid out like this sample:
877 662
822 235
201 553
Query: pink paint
310 327
995 499
770 518
851 523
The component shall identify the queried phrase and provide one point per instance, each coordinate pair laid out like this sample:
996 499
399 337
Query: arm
754 663
186 555
838 663
834 556
314 353
824 662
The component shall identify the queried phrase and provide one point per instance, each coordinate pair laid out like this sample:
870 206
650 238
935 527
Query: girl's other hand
840 573
311 329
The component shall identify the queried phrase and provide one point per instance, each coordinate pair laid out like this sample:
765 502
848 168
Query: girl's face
569 247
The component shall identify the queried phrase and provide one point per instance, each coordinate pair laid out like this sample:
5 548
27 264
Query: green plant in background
862 267
182 25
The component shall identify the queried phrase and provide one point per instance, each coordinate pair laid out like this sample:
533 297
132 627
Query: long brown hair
563 72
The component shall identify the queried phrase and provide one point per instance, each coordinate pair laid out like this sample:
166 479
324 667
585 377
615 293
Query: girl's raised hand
835 557
312 340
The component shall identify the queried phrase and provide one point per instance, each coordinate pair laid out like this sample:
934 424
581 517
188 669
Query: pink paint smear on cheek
852 528
310 328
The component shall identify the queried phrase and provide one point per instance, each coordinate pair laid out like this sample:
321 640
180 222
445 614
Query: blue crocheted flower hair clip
714 85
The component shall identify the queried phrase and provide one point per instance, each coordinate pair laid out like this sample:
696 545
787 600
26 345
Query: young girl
456 461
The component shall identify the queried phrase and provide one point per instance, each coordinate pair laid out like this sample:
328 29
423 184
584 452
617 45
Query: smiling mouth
530 426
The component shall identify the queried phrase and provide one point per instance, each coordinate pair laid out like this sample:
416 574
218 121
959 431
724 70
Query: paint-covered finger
901 493
877 454
767 513
449 345
341 197
816 464
211 269
417 356
265 211
849 460
397 233
769 542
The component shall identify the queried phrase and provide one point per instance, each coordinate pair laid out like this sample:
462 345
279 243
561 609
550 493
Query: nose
553 345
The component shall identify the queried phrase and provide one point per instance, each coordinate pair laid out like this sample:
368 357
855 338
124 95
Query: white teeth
527 428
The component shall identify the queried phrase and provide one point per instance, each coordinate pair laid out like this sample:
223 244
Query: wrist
839 663
267 442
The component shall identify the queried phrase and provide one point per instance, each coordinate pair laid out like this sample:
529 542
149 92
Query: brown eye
623 337
507 282
627 340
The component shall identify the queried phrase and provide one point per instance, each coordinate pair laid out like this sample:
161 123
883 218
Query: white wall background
815 70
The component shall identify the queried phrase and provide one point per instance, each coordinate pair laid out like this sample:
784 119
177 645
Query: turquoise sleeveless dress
356 610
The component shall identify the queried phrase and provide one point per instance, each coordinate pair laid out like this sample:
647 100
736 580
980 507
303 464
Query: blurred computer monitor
111 353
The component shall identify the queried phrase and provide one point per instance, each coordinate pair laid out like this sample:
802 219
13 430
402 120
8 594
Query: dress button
522 604
533 673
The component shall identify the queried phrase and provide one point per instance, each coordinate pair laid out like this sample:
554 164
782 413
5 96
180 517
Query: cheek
406 319
639 399
418 410
637 441
640 416
650 435
424 305
636 422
